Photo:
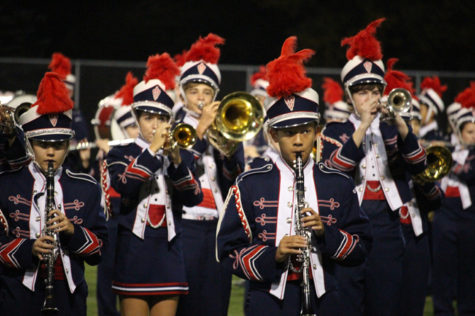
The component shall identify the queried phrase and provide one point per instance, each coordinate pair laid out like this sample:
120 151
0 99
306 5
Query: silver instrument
90 145
304 258
49 304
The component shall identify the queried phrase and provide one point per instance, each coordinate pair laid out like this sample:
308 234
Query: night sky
424 35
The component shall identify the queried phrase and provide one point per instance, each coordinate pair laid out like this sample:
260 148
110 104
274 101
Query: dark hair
366 86
139 113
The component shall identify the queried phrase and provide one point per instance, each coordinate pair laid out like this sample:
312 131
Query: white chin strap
428 115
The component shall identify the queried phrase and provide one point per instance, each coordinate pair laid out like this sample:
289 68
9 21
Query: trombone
439 164
240 117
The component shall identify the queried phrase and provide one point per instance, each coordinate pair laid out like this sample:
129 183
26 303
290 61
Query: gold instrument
304 258
182 135
10 117
399 101
240 117
49 304
439 163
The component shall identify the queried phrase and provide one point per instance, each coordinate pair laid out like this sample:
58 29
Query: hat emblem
156 93
53 118
368 65
290 102
201 68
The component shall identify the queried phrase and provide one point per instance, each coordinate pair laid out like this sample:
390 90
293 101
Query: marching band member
365 147
336 110
76 218
432 106
256 234
453 230
154 182
114 112
210 283
421 197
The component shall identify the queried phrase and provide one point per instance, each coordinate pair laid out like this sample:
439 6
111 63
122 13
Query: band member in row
63 222
210 283
154 182
453 226
365 147
432 107
113 119
257 238
424 196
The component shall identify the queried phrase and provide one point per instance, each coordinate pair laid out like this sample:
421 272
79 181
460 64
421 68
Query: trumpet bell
240 116
399 100
183 135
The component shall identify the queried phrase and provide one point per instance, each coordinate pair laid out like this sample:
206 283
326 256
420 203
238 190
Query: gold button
145 205
289 204
314 266
143 220
38 235
377 155
386 189
382 177
291 188
363 166
361 189
213 178
289 220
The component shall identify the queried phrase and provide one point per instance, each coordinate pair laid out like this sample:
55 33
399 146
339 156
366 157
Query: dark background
429 36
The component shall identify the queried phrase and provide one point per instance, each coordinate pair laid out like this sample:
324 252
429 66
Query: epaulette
81 176
326 169
259 162
263 169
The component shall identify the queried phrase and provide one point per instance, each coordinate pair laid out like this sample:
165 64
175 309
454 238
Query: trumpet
399 101
182 135
240 117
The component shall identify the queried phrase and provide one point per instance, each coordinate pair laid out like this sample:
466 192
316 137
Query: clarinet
304 257
49 304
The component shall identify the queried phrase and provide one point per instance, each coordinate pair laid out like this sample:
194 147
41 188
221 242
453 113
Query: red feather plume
364 43
395 78
333 92
60 64
434 84
286 74
52 95
180 58
205 49
162 67
467 97
261 74
126 92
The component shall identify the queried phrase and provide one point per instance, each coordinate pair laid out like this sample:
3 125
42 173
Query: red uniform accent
452 192
370 195
156 213
208 199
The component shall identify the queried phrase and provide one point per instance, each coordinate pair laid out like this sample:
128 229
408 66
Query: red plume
162 67
467 97
364 43
126 92
205 49
60 64
333 92
52 95
180 58
434 84
395 78
261 74
286 74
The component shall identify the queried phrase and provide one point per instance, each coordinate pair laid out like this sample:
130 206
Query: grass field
235 305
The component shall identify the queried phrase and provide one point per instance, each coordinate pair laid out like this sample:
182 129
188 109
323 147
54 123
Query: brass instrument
10 117
240 117
49 305
304 257
439 163
399 101
182 135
